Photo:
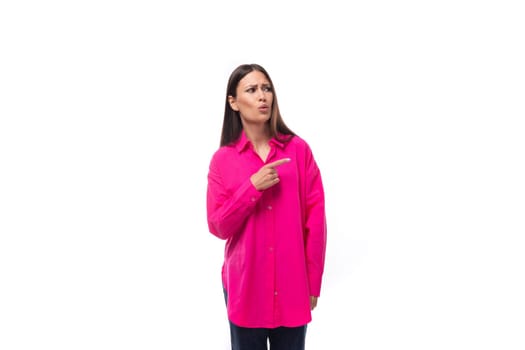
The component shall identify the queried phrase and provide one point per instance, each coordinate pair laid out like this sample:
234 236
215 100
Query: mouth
263 109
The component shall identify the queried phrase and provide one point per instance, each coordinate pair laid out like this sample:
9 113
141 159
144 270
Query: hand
313 302
267 175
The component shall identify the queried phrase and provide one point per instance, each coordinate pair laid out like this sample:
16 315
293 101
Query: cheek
243 105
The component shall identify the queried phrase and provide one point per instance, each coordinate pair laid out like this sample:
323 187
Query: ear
233 103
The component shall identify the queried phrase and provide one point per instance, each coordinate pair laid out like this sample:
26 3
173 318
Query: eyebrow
255 85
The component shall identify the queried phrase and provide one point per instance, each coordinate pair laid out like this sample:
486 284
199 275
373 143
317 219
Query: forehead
254 78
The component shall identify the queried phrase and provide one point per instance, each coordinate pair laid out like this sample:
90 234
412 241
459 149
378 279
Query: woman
265 198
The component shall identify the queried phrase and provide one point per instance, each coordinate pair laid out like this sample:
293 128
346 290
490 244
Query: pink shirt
275 239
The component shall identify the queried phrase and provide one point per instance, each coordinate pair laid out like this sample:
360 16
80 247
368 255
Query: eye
267 89
250 90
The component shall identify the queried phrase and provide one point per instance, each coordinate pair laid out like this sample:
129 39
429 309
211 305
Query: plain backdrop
110 111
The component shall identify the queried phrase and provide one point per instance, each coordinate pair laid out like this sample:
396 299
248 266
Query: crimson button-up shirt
275 239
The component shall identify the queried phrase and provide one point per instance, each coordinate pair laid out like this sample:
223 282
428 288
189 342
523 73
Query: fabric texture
280 338
275 239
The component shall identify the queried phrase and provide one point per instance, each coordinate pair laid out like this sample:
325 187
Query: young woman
265 198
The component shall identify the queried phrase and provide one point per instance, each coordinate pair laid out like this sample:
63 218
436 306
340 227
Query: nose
262 95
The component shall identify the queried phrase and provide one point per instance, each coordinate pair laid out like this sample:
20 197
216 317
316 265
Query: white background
110 111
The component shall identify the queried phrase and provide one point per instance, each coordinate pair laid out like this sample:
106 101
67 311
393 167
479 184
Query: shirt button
253 199
275 293
269 207
270 249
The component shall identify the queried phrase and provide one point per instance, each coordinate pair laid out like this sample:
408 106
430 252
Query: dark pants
280 338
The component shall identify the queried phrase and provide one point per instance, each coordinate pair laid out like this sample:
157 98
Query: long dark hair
232 125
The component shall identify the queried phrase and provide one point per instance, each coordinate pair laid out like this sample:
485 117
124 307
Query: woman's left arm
315 224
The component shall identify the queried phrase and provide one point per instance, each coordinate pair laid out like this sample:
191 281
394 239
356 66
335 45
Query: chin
260 120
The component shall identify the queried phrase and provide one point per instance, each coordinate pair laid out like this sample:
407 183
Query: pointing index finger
277 163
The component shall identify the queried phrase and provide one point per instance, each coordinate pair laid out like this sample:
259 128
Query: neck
257 134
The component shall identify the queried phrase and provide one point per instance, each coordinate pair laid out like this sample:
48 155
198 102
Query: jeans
280 338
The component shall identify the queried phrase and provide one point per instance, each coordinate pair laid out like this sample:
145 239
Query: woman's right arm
228 210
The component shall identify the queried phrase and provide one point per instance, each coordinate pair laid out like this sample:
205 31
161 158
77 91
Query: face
254 98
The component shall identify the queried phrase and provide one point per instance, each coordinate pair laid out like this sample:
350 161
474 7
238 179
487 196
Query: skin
254 103
313 302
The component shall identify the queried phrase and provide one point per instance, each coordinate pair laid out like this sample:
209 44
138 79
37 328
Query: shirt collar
276 142
243 142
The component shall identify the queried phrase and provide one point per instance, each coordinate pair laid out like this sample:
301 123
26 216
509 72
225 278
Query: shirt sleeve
315 225
227 211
